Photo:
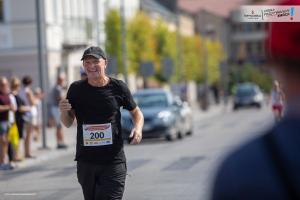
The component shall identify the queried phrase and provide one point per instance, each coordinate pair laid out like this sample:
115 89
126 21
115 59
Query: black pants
102 182
10 152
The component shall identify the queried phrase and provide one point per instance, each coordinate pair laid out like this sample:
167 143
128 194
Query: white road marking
20 194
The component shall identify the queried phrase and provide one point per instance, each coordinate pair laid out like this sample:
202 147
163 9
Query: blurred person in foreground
268 167
277 100
57 95
96 103
5 107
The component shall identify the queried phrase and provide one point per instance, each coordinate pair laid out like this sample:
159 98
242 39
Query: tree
165 47
140 41
251 73
113 37
192 67
215 55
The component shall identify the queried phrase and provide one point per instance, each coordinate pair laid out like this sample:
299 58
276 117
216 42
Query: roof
220 8
153 6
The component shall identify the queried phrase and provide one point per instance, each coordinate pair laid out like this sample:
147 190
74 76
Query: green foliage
192 67
215 55
165 47
151 40
113 45
140 41
250 73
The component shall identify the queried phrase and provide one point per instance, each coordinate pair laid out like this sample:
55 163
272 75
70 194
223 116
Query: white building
69 27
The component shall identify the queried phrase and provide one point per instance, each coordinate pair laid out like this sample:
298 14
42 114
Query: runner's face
94 67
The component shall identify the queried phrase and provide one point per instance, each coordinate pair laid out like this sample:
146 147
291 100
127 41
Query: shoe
7 166
30 156
11 166
62 146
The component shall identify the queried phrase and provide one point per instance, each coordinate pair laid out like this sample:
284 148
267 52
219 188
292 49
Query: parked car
162 115
247 95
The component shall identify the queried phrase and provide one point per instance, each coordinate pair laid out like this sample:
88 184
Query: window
1 11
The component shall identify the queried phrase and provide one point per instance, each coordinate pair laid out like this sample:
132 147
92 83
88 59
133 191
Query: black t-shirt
100 105
19 115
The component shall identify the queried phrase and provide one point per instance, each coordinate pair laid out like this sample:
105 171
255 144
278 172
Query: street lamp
178 43
123 38
209 30
43 71
96 15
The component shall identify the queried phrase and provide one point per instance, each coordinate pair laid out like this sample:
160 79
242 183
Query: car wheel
235 107
179 135
190 132
169 138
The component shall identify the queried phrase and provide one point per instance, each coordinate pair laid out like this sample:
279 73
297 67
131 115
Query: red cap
284 37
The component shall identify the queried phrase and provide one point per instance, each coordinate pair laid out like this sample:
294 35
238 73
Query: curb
46 155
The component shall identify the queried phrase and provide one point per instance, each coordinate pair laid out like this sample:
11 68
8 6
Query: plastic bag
13 135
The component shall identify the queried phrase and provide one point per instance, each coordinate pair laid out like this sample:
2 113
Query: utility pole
96 14
123 40
178 44
43 72
208 31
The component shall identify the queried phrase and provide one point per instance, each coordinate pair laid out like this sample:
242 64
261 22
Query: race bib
97 134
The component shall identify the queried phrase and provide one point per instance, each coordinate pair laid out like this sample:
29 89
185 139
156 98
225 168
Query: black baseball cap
96 52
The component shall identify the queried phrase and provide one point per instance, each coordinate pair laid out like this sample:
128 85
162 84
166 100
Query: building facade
68 27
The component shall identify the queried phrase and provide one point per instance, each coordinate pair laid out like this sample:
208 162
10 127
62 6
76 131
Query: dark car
247 95
161 115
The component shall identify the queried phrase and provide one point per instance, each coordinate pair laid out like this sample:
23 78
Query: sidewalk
51 151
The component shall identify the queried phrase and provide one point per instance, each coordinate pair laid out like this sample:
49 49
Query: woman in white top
277 100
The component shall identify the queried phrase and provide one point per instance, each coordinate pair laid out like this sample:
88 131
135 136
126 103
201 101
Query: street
157 169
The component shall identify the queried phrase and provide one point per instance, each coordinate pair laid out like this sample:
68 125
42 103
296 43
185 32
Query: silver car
161 112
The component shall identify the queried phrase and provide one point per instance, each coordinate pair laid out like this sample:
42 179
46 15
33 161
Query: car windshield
151 100
245 90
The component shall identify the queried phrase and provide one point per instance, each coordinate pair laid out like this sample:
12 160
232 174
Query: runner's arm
138 120
67 114
67 118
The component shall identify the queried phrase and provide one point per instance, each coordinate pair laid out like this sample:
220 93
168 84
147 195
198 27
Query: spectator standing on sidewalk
28 98
5 107
21 110
268 167
13 135
96 102
37 114
57 94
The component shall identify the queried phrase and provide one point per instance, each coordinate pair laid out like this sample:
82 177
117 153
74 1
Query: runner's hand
64 105
136 136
